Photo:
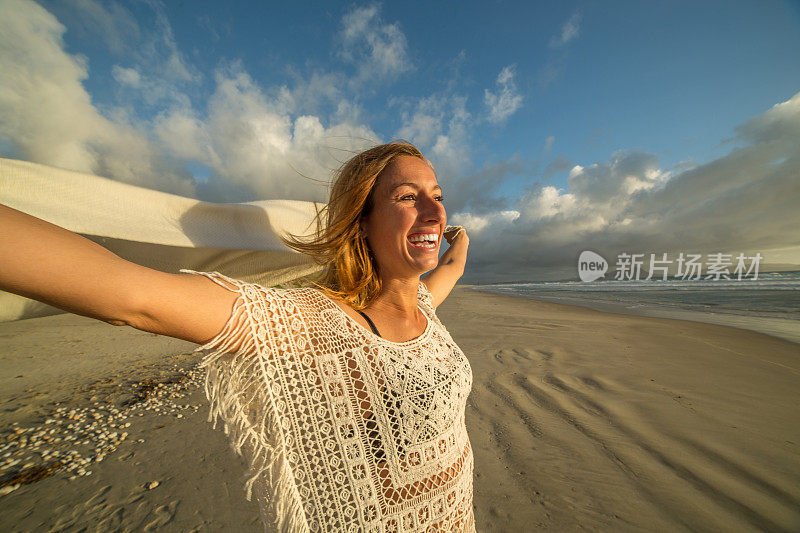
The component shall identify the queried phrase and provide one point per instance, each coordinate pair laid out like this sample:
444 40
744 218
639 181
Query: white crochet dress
344 430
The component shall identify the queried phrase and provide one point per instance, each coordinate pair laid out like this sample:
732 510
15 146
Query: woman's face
407 204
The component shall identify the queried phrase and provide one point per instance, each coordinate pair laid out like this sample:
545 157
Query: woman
347 399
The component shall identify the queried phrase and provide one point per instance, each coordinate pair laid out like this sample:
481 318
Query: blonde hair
338 243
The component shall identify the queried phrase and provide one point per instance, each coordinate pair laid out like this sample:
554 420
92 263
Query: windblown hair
351 272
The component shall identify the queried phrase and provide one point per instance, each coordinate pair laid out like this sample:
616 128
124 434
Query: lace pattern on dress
344 431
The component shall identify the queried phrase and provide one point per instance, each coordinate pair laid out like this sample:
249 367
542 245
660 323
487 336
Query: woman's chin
418 260
427 264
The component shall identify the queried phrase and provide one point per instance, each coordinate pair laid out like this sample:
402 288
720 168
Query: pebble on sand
24 452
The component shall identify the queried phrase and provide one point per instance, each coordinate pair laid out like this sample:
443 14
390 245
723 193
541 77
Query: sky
554 127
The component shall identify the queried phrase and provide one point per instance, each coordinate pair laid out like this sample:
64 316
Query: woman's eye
414 197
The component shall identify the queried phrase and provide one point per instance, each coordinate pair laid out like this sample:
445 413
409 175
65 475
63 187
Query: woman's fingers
450 233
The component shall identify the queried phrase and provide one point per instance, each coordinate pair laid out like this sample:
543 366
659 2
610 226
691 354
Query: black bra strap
374 329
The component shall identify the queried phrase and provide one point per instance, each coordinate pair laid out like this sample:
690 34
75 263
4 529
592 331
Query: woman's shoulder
253 291
259 309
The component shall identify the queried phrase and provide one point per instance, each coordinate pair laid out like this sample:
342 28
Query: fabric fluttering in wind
159 230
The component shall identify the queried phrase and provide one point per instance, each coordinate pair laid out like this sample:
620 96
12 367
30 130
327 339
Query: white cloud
183 134
151 71
160 52
558 164
377 49
114 24
47 116
745 202
309 93
254 143
569 31
478 223
422 124
44 109
506 100
547 202
548 144
151 48
441 126
127 76
780 123
609 183
555 65
435 119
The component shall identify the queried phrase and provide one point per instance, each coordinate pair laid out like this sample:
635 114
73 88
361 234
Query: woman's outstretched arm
441 280
45 262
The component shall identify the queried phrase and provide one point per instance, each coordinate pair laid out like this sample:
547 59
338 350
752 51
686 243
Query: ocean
769 304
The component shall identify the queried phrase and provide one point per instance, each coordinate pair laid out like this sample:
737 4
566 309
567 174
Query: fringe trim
425 297
239 394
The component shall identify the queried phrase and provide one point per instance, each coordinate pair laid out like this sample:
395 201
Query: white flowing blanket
158 230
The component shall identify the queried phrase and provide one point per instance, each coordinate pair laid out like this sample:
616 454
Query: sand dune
578 419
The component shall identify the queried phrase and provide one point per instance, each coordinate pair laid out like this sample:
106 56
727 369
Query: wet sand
578 419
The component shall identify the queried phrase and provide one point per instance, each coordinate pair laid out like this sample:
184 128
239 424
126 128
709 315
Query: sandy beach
578 419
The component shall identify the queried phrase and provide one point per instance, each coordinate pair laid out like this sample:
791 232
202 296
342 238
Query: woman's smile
428 241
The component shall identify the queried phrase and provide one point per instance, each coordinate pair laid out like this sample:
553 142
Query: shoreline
781 328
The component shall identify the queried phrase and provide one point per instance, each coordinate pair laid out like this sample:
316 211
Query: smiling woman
369 389
347 399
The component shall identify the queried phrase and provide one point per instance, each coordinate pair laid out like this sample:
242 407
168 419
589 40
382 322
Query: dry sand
578 419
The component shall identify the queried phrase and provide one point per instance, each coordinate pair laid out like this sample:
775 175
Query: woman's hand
441 280
453 234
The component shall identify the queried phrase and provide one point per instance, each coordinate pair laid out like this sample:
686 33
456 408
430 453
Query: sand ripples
581 440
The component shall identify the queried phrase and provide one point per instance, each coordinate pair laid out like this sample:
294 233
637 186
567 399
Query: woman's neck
398 298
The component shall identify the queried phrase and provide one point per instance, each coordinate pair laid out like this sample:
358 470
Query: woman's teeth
424 241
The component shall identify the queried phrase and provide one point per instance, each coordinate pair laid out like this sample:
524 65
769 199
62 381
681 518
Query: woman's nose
433 210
